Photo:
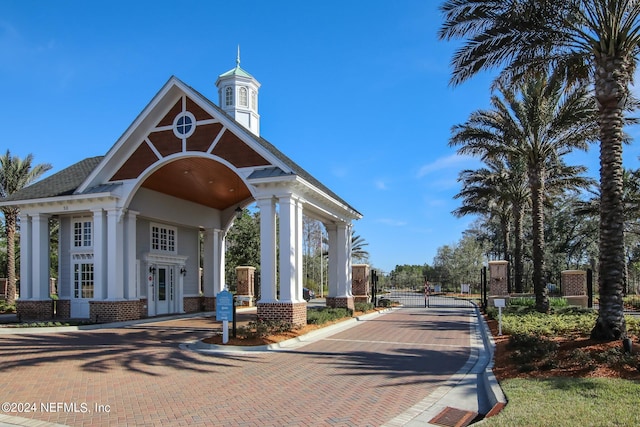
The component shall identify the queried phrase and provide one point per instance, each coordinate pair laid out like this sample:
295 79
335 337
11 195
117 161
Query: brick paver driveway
138 375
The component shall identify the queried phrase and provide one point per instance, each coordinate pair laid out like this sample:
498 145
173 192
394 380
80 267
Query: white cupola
238 96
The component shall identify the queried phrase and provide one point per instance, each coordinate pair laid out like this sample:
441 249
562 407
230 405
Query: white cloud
381 185
454 161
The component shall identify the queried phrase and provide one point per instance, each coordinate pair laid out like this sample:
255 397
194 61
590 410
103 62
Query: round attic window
184 125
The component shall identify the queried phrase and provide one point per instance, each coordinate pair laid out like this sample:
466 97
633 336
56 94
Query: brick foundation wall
63 309
144 309
115 311
341 302
193 304
295 313
209 303
574 282
34 310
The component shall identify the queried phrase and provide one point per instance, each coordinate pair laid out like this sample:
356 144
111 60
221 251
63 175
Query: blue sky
355 92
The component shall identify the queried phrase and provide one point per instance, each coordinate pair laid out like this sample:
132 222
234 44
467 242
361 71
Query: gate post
360 282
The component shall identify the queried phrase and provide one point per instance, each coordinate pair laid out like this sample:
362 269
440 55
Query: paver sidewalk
367 375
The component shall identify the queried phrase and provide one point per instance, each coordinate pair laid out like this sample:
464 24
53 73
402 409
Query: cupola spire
238 96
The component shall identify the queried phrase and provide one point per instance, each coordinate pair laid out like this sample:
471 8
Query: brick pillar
574 287
360 286
498 277
246 285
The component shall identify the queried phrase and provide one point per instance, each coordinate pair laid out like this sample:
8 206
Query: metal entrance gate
416 298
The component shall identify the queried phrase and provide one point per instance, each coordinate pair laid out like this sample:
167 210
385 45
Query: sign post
499 303
224 312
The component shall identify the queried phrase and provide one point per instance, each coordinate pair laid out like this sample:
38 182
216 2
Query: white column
115 274
130 256
40 256
209 257
26 258
219 261
99 251
332 264
290 249
299 258
267 250
344 260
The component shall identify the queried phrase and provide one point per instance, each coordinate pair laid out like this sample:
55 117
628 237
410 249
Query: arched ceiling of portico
199 180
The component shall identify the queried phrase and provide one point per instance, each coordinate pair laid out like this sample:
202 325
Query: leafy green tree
596 41
15 174
243 244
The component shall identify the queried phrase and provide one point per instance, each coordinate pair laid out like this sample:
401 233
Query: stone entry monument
246 287
360 283
574 287
498 284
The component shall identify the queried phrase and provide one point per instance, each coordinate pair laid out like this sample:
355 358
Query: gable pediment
210 136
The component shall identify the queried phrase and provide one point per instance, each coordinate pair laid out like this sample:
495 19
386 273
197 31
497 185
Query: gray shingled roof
63 183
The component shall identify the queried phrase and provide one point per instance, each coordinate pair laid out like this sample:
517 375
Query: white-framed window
243 97
83 285
163 238
228 96
184 125
82 233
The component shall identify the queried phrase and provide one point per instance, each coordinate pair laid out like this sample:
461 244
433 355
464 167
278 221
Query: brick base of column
209 303
294 313
34 310
341 302
115 311
63 309
193 304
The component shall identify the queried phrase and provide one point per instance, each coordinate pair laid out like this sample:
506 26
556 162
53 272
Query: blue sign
224 306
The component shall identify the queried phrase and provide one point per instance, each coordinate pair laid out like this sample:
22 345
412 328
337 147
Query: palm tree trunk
535 174
10 226
611 94
518 264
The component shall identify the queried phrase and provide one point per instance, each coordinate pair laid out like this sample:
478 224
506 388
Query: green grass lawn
564 401
568 402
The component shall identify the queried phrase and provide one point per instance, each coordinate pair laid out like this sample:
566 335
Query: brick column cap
576 272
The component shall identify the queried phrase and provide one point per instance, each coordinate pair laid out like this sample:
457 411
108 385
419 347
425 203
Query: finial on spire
238 57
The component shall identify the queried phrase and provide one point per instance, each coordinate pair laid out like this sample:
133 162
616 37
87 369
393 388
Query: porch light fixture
183 271
238 212
152 269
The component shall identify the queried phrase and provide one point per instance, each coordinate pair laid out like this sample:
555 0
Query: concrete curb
492 388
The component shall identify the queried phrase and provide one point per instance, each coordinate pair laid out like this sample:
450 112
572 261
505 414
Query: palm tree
15 174
357 247
537 122
593 40
498 190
